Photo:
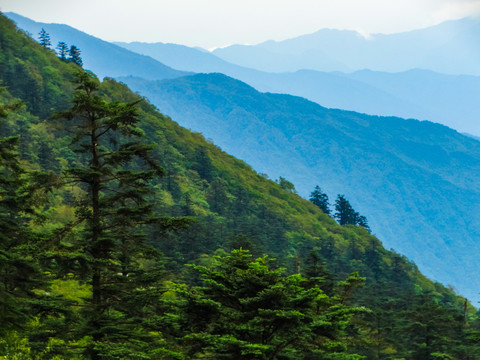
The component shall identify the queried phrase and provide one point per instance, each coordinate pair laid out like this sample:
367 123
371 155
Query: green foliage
106 294
18 275
285 184
245 309
113 209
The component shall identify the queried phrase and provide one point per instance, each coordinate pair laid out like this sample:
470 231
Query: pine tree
23 284
344 214
123 268
362 221
44 38
15 273
320 199
74 56
62 48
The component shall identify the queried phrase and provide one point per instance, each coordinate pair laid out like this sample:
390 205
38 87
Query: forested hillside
415 181
103 200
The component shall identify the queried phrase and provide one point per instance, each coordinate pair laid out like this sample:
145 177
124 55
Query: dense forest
125 236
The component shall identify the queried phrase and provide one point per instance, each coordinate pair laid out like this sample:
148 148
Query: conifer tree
16 274
346 215
44 38
23 284
247 310
344 211
62 48
110 169
320 199
74 55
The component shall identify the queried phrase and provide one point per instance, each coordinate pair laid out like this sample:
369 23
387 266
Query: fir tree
44 38
247 310
320 199
62 48
344 214
114 211
74 56
16 274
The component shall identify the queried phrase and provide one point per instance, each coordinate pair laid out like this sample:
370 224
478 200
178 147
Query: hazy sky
215 23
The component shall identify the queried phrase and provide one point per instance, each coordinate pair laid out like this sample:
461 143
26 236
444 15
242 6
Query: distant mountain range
101 57
417 182
452 47
422 94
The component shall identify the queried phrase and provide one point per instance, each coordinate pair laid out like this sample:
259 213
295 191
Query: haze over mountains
451 47
415 181
448 99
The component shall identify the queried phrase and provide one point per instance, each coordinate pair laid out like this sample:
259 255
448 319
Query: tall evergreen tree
344 214
16 273
23 285
62 48
74 55
44 38
114 210
320 199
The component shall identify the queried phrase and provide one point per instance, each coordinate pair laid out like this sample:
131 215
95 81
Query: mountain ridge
421 94
382 52
115 60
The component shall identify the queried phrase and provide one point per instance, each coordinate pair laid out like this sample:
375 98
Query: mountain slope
447 99
233 207
114 60
450 47
415 181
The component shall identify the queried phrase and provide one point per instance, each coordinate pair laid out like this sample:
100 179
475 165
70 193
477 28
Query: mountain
360 86
415 181
421 94
447 99
206 203
113 60
450 47
185 58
